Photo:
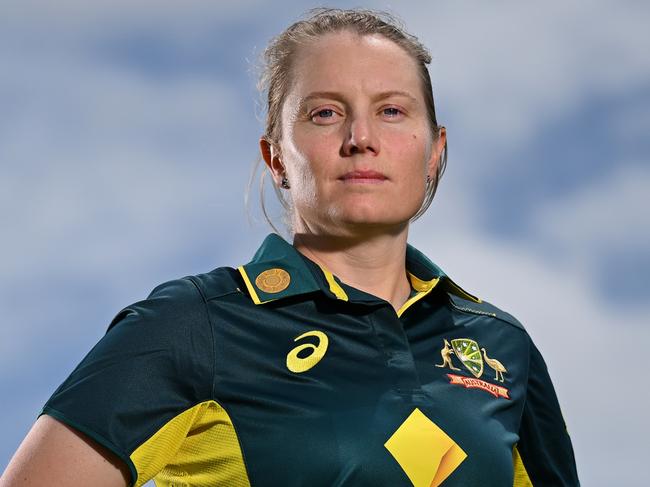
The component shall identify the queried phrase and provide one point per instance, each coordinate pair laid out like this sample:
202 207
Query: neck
375 264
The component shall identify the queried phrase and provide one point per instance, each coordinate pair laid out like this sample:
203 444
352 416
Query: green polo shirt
279 374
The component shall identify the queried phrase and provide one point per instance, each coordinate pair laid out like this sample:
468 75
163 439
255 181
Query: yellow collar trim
250 287
422 287
335 287
459 291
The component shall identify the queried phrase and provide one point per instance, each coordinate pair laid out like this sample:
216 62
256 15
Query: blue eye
326 113
392 111
325 116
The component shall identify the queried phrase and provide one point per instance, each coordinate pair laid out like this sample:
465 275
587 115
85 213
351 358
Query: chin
373 217
376 211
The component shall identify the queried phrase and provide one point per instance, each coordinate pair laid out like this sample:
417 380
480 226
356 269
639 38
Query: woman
347 358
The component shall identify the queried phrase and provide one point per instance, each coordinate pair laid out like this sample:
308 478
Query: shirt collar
279 271
419 265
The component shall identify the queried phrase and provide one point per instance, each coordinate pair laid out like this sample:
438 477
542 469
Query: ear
436 151
271 156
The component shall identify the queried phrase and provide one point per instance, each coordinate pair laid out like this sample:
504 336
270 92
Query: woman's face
356 144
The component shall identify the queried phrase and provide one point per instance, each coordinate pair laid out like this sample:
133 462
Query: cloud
599 232
106 173
507 70
115 148
79 17
609 212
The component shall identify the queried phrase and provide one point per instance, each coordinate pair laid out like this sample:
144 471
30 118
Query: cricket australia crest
469 353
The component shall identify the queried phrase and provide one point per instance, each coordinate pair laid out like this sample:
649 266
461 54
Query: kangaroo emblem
446 354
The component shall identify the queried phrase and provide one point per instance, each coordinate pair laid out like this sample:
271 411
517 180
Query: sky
128 133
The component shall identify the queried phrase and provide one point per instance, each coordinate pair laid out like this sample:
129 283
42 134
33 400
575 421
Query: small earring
285 183
428 179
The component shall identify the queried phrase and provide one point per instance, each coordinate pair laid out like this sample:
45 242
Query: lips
363 177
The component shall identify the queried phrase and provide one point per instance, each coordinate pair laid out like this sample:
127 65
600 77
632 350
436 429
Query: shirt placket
396 348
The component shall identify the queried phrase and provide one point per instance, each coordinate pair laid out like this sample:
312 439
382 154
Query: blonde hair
276 72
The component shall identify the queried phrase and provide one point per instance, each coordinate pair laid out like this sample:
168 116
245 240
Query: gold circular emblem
273 280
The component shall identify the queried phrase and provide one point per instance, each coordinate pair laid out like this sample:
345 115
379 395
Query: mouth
363 177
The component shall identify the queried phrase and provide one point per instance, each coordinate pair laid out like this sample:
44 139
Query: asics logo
306 361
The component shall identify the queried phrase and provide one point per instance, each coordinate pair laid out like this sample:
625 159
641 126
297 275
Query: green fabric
202 338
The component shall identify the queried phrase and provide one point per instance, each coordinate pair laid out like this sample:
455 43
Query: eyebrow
338 96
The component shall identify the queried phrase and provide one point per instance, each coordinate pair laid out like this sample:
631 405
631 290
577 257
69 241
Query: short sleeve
154 363
544 455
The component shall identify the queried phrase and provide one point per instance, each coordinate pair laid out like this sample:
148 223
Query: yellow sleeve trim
199 447
521 475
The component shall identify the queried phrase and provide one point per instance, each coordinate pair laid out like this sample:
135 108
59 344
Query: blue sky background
128 131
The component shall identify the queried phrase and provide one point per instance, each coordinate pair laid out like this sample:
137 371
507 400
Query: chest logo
469 354
311 353
426 453
473 357
273 280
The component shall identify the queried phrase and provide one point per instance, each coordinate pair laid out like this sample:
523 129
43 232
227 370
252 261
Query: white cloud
600 232
610 212
104 172
79 17
506 70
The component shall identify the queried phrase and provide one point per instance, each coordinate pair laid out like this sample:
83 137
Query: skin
356 104
356 148
54 454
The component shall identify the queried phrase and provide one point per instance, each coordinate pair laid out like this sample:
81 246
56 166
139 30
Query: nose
361 137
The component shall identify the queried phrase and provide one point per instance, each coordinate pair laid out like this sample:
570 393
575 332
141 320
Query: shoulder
217 283
484 308
183 298
209 285
167 302
460 300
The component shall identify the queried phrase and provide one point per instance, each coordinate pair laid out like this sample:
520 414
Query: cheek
303 177
413 149
314 162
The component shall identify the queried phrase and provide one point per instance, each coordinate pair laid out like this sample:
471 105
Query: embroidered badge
472 383
273 280
446 354
495 365
469 353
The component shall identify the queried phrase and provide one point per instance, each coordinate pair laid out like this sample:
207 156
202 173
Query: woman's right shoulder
218 282
210 285
155 361
183 299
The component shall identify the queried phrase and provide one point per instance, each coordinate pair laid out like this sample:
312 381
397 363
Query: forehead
345 61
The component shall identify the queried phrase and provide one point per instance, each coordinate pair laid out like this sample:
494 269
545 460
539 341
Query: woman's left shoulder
481 307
